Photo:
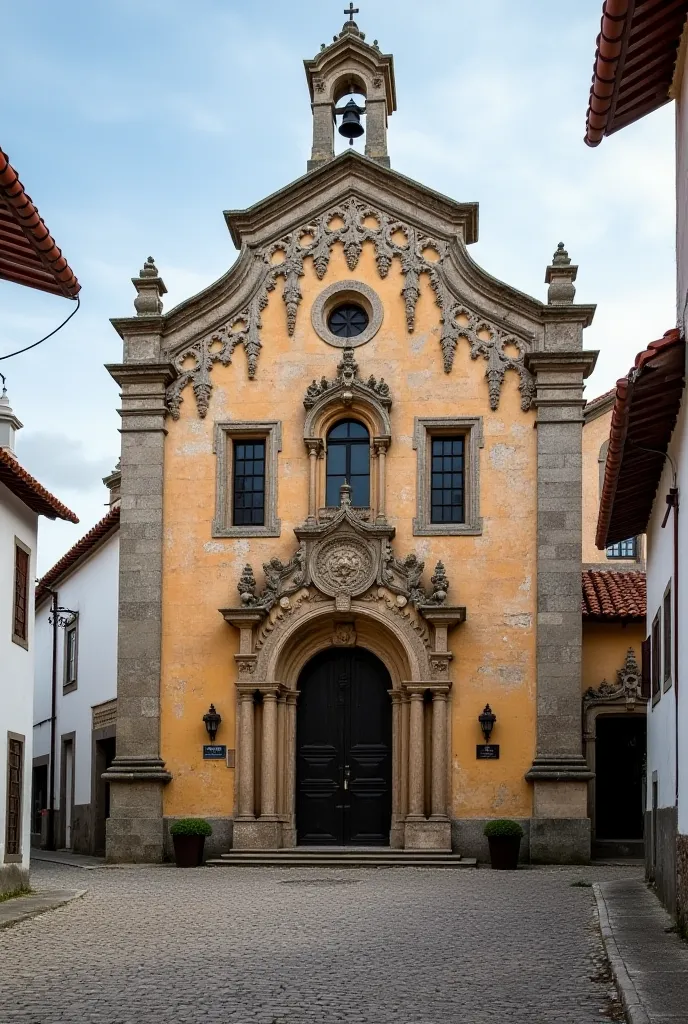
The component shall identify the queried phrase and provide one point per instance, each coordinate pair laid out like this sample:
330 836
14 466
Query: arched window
348 461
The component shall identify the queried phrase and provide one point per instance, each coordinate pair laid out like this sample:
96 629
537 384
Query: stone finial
560 275
440 584
149 290
247 586
9 424
113 482
345 492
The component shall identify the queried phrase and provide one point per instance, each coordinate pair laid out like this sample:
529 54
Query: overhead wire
41 340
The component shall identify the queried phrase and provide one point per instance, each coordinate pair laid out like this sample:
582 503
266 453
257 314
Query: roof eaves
78 553
27 489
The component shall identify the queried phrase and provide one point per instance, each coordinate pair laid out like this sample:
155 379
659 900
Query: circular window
347 314
348 320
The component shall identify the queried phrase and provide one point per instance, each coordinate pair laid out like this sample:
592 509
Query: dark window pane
447 480
336 458
348 459
333 485
360 459
348 321
361 491
249 484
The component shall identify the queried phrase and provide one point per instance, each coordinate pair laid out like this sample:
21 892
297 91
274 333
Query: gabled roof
599 406
28 490
612 595
81 550
28 253
644 416
634 62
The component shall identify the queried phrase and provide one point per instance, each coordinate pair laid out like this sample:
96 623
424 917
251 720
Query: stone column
376 131
405 708
134 829
246 757
416 757
289 831
314 446
560 828
397 831
323 135
381 446
268 801
439 754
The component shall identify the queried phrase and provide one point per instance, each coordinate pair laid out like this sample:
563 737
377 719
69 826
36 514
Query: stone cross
351 11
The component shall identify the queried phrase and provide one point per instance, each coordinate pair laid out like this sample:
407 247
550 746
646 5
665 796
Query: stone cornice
142 373
582 361
305 197
129 326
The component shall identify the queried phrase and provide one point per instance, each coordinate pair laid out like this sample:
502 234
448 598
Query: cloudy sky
134 124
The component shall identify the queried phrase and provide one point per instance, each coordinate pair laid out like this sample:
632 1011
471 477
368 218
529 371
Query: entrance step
606 849
342 857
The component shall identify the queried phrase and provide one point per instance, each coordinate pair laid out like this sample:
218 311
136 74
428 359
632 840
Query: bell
351 127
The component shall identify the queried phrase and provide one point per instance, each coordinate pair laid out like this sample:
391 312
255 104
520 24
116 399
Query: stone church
350 520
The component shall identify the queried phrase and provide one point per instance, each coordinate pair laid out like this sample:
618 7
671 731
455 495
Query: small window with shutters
646 668
666 623
20 607
15 777
656 657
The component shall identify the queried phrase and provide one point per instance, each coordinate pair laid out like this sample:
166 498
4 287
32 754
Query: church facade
351 518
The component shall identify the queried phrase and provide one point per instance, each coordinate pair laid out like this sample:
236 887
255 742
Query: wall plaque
214 751
487 751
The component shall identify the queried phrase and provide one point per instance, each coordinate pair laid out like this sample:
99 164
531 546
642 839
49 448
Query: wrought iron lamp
487 719
212 721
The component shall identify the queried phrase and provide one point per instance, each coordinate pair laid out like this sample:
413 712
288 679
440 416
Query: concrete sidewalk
20 908
648 959
66 857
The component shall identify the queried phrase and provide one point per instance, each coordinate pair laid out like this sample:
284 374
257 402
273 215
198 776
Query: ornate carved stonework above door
352 224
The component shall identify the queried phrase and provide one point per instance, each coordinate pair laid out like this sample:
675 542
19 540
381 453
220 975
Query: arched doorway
344 750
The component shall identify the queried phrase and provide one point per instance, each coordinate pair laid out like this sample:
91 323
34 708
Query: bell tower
350 65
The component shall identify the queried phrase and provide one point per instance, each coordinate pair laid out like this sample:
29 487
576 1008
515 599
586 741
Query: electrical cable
40 342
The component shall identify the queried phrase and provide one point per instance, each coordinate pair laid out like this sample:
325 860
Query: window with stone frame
15 781
71 655
624 549
667 637
20 608
246 480
448 475
656 657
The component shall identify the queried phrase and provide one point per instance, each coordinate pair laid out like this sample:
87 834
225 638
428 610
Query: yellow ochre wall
493 575
604 649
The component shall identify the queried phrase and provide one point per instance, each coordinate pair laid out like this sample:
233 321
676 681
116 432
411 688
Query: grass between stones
4 896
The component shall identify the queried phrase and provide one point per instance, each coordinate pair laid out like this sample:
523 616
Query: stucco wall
605 645
493 575
16 672
92 590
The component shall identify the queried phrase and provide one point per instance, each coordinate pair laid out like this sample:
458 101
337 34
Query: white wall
92 590
16 663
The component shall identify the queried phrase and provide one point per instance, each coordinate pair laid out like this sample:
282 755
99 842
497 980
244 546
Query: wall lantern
487 720
212 722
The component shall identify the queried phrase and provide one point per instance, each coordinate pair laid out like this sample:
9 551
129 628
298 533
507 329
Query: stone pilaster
376 131
560 829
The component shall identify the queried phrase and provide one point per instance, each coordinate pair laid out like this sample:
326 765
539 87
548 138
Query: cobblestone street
162 946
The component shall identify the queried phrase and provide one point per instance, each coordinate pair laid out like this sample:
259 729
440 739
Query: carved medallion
344 565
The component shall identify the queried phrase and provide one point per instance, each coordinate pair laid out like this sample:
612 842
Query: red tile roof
21 483
28 252
610 594
597 406
634 62
644 416
81 549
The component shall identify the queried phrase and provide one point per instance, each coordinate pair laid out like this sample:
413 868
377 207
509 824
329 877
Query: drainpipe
672 503
53 726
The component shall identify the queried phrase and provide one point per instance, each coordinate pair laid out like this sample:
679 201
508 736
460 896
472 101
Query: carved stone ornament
347 381
344 634
627 689
316 241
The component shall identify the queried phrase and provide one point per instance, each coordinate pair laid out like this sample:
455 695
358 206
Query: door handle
347 776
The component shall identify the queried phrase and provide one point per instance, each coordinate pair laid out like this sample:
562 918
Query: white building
641 64
22 501
76 660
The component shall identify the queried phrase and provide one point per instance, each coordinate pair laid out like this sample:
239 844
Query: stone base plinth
427 835
560 799
560 840
134 832
256 834
682 883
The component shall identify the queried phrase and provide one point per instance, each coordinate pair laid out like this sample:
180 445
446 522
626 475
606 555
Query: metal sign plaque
487 751
214 752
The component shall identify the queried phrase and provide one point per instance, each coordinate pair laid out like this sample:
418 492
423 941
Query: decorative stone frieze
458 320
627 691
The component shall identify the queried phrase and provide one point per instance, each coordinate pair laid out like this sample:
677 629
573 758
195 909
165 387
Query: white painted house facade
82 589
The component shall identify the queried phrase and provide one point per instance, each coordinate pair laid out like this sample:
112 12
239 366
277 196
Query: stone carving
344 566
627 687
347 377
344 634
315 241
560 275
440 585
149 290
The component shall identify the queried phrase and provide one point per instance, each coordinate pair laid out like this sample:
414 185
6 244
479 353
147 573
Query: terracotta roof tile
634 62
28 252
644 415
108 524
33 494
610 594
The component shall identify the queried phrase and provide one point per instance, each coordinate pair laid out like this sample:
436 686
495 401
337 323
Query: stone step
289 859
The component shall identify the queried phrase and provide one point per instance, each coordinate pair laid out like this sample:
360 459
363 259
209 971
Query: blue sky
134 125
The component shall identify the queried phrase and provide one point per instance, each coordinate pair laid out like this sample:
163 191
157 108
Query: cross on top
351 11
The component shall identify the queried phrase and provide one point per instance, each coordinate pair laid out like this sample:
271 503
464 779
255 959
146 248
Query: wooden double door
344 750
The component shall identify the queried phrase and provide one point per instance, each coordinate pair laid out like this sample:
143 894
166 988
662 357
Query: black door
344 750
619 759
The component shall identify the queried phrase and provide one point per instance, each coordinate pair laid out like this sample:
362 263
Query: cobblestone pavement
155 945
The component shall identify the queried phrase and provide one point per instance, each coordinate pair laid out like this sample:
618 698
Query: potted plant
188 837
504 839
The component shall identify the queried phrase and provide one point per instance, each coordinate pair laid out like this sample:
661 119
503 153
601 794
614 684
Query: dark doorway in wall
104 755
619 768
39 797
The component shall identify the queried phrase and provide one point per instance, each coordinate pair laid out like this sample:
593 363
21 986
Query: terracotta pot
188 851
504 852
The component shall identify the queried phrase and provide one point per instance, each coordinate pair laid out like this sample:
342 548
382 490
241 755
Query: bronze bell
351 127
